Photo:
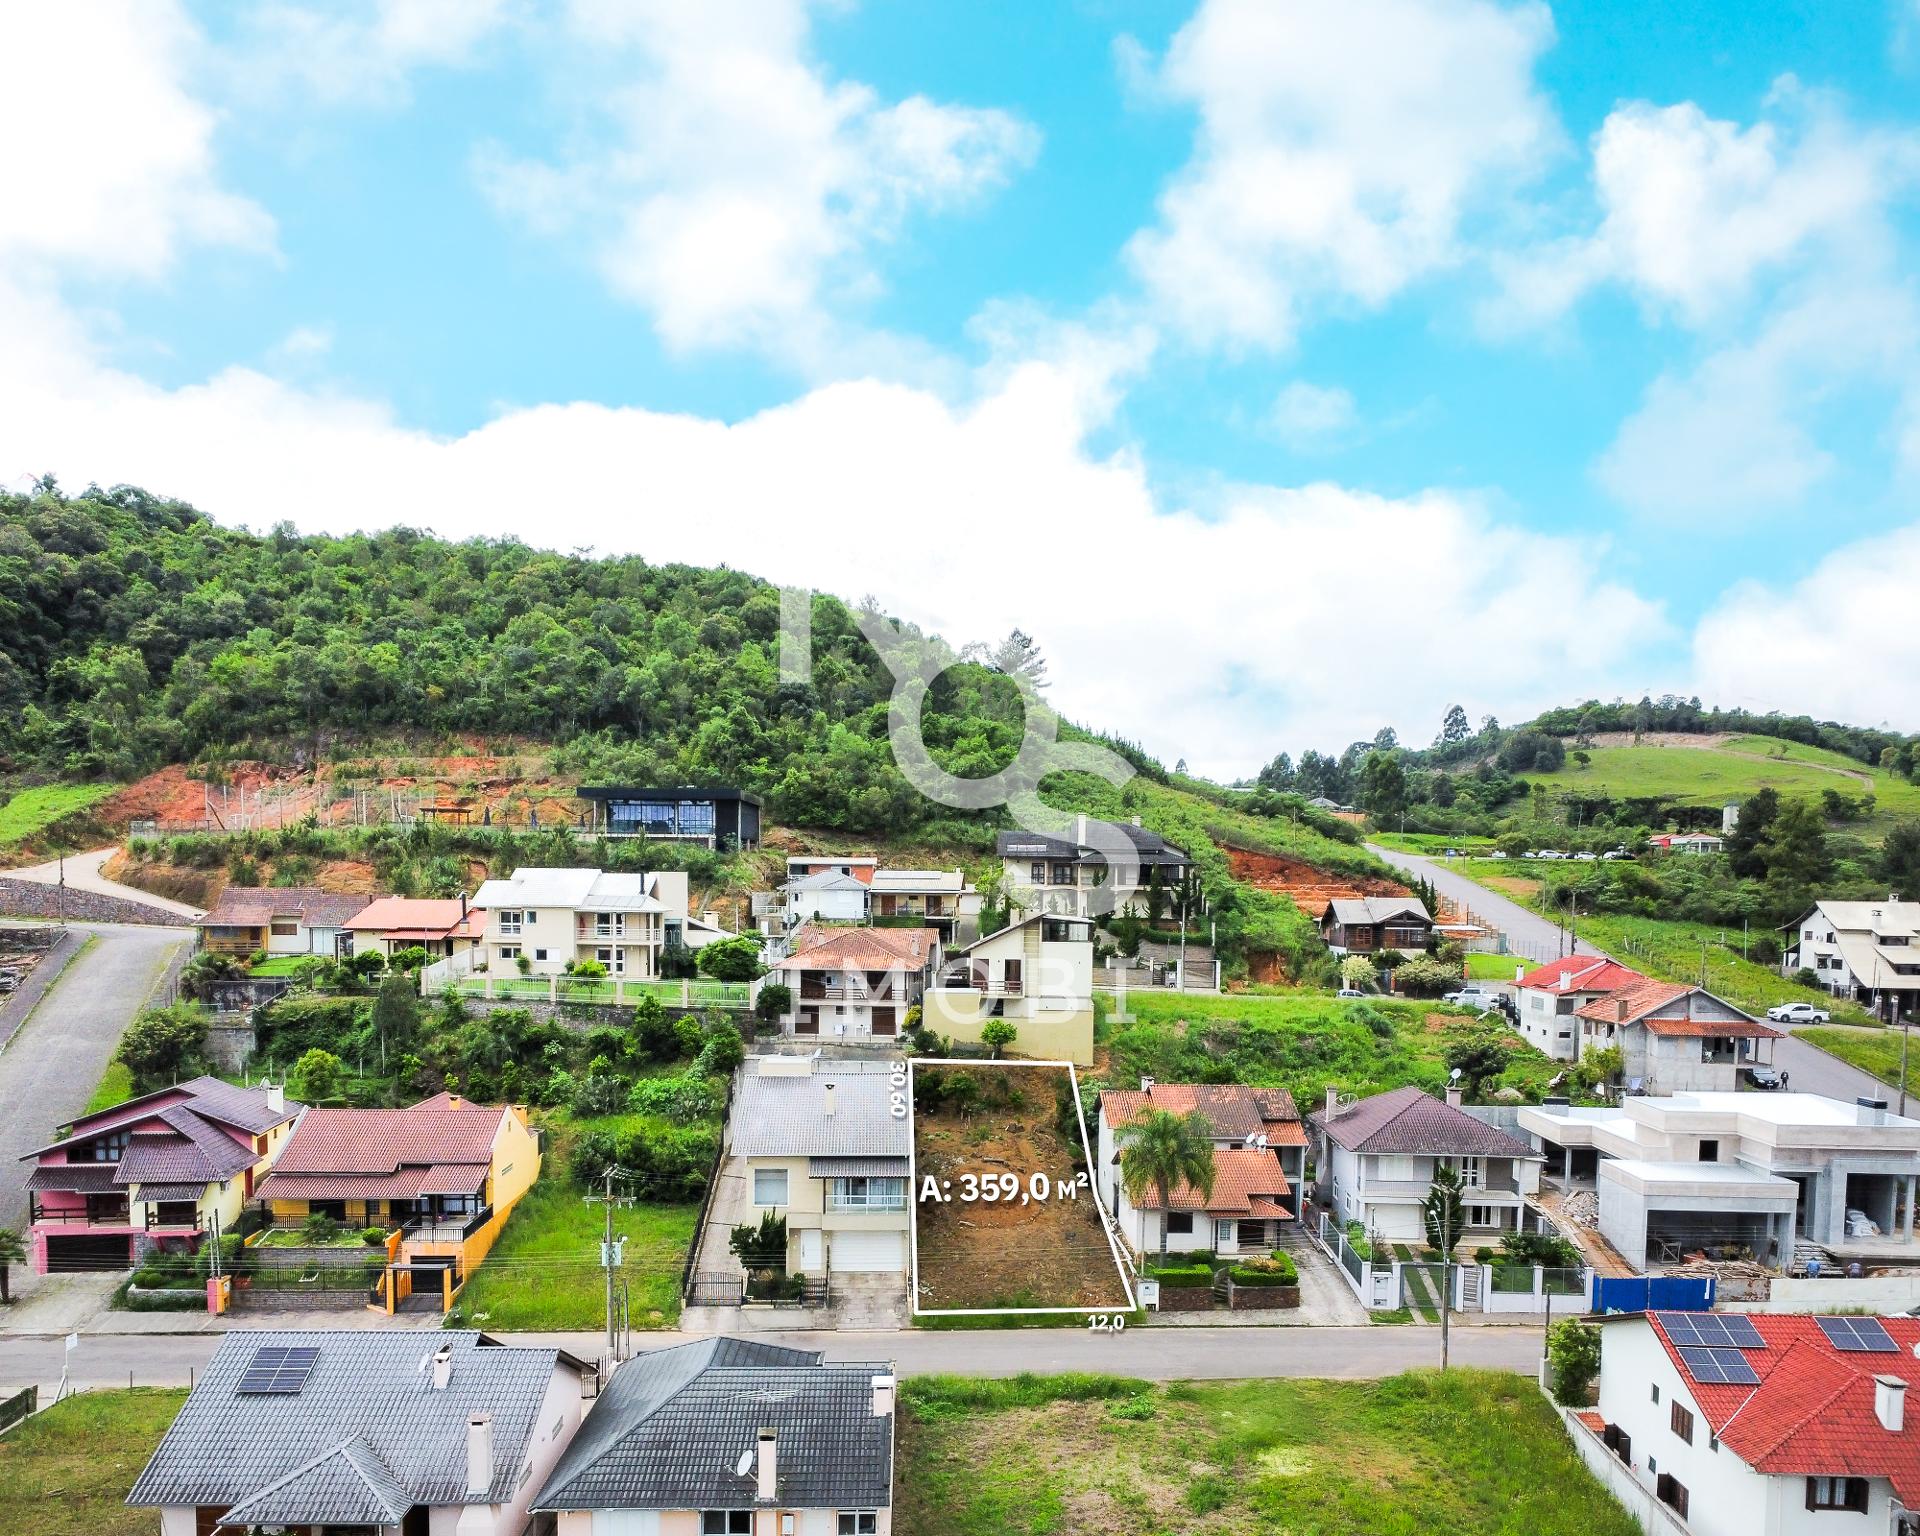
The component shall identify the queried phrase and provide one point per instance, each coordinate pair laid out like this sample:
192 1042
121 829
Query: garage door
75 1255
869 1252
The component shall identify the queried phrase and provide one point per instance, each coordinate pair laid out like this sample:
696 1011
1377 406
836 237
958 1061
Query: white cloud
733 190
1837 643
355 51
107 164
1012 466
1342 146
1312 418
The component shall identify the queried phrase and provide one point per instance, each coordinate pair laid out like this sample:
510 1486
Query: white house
1103 867
549 917
390 1432
1674 1038
1036 974
1374 1162
943 899
1756 1425
854 983
826 897
1547 998
1868 951
731 1437
1736 1171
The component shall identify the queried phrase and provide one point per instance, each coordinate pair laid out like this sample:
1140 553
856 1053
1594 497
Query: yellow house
1036 975
444 1172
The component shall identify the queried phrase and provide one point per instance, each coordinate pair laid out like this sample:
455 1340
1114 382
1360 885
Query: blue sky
1530 351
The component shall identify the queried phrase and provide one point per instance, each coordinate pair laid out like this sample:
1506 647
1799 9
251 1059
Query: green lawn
1484 967
1430 844
1468 1451
704 993
32 811
290 1237
1419 1287
66 1472
281 965
1871 1050
116 1087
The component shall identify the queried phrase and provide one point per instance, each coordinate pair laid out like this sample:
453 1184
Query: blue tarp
1653 1293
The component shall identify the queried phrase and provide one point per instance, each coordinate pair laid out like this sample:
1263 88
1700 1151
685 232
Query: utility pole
611 1254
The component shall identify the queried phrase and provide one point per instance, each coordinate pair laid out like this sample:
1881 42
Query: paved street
82 873
49 1069
1528 933
1811 1070
104 1360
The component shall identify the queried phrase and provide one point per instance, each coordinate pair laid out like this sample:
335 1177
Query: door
868 1253
813 1254
88 1255
884 1022
1010 977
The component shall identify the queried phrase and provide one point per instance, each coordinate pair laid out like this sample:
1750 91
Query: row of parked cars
1547 854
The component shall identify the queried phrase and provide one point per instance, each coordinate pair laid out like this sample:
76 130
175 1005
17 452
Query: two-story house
826 896
157 1172
1104 867
1374 1162
731 1437
941 899
708 815
1547 997
1036 974
1865 951
1737 1172
1367 925
279 920
854 983
1673 1038
552 917
1241 1116
373 1432
825 1145
1729 1425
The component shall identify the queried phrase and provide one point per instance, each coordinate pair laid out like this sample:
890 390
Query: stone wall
252 1299
231 1043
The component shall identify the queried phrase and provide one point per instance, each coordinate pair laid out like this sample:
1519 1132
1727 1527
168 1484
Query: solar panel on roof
1710 1330
278 1369
1857 1335
1716 1367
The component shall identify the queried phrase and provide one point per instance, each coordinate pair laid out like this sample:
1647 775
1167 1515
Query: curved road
82 872
1809 1069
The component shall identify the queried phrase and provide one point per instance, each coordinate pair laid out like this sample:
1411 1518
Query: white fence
1634 1496
1382 1286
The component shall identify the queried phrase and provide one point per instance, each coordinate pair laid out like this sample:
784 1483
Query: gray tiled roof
856 1167
1376 909
226 1447
669 1430
1148 847
1410 1120
243 1108
345 1485
786 1116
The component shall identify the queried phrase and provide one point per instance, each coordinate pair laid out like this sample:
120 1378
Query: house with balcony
1729 1173
280 920
1375 1158
708 815
444 1172
1547 997
1103 867
941 899
1865 951
553 918
854 983
1674 1038
1368 925
364 1432
156 1173
1239 1116
731 1435
389 924
1036 974
826 896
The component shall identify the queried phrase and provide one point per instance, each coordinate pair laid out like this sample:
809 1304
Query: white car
1799 1013
1616 853
1551 853
1496 854
1586 858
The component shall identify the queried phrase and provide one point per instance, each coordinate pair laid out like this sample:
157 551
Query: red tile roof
1234 1110
1638 998
411 917
1579 973
1245 1183
254 906
441 1145
1812 1413
1712 1029
860 949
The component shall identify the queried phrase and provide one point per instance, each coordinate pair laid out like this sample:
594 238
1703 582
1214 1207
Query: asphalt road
81 872
50 1068
1811 1070
1528 933
1158 1354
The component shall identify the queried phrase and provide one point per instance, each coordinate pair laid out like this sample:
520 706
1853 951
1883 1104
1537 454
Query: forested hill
139 632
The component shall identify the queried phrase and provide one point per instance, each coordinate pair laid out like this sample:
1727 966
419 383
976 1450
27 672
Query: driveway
49 1069
82 871
1528 934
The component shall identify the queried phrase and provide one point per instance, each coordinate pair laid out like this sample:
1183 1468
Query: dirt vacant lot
995 1120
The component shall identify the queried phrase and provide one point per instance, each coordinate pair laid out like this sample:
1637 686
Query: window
539 954
284 927
1837 1493
1483 1215
1619 1442
1063 874
509 951
769 1186
1179 1221
1656 1391
110 1148
1037 872
726 1522
1709 1150
1671 1492
859 1522
867 1194
509 922
1680 1420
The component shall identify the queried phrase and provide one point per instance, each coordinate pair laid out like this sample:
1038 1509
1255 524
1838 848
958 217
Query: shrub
682 1098
731 959
1277 1270
1483 1255
373 1237
316 1076
721 1052
1183 1277
163 1044
320 1229
775 998
654 1036
1573 1360
762 1247
997 1034
597 1094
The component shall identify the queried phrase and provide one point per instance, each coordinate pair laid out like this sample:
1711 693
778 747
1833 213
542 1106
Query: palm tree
1161 1151
12 1251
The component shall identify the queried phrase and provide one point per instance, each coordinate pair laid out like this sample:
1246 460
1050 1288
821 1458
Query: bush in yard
775 998
13 1250
654 1036
524 963
1422 977
597 1094
198 974
316 1076
319 1229
731 959
1357 971
162 1044
682 1098
1807 977
1278 1270
373 1237
721 1052
668 1164
412 958
1573 1360
997 1034
763 1246
1182 1277
678 963
369 962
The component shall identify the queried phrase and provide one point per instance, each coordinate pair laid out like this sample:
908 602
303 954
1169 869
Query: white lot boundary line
913 1198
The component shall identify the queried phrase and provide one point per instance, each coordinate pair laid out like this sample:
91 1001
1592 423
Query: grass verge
115 1087
33 811
1873 1051
66 1472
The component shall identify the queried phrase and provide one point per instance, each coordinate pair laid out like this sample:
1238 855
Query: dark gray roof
347 1484
1376 909
786 1116
856 1167
73 1178
669 1430
200 1151
1148 847
227 1447
1411 1120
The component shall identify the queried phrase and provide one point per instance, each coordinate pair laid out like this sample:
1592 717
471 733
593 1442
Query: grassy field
1871 1050
116 1087
1481 967
1430 844
544 1273
1079 1455
31 812
66 1472
1711 776
1305 1043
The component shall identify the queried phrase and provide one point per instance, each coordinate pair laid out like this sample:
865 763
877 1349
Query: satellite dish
1455 1074
745 1464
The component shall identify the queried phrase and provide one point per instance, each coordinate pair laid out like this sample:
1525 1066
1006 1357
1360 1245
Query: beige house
549 917
1036 974
854 983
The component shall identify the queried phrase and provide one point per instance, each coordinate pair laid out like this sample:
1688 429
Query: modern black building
715 817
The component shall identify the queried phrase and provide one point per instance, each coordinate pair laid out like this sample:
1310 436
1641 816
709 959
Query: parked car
1529 854
1550 853
1350 992
1496 854
9 979
1452 853
1766 1079
1586 858
1798 1013
1616 853
1473 997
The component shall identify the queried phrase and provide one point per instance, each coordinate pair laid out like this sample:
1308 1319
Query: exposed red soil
1310 888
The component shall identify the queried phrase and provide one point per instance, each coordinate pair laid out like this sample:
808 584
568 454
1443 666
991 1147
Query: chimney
1890 1403
463 906
1333 1099
882 1396
276 1098
1566 980
1872 1111
1620 1010
767 1474
1455 1095
1080 829
827 1101
1136 821
479 1453
453 1101
442 1367
1146 1085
